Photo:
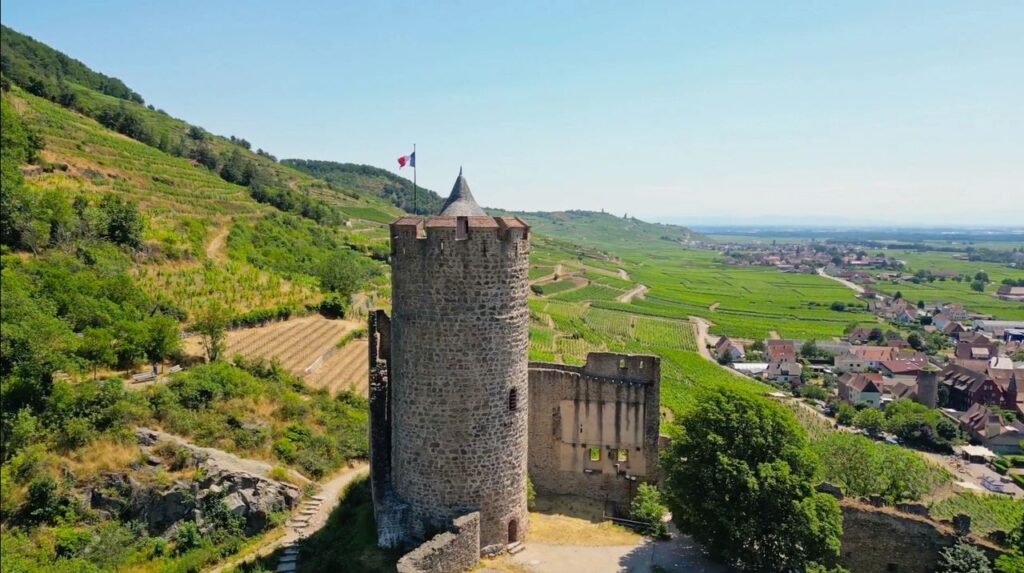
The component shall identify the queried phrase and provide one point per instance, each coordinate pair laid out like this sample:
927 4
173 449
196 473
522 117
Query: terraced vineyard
346 368
296 344
236 285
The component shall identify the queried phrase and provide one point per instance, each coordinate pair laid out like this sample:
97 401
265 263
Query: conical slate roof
461 202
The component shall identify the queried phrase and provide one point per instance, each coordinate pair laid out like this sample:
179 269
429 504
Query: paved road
848 284
680 553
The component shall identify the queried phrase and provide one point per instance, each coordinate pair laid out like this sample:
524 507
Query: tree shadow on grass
347 543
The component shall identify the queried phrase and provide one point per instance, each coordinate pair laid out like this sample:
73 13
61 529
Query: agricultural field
953 291
344 369
742 302
988 512
308 348
238 286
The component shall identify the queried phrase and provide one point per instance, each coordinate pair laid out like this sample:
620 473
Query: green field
952 291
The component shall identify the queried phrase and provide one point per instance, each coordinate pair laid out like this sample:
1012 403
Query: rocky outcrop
220 478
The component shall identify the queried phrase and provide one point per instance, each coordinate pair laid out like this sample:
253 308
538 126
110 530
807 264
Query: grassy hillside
371 181
601 230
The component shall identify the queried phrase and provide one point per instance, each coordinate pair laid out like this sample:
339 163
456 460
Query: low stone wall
883 539
449 552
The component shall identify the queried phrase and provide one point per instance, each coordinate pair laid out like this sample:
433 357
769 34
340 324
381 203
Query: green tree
96 347
647 508
161 339
740 478
124 222
870 420
845 413
981 276
978 286
963 558
915 341
210 326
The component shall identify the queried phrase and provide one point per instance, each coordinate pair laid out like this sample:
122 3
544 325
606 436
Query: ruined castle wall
610 404
449 552
458 354
882 539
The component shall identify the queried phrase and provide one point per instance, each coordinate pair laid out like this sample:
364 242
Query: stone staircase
298 523
515 547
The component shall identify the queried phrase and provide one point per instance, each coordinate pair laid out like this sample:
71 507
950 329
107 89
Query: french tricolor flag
409 160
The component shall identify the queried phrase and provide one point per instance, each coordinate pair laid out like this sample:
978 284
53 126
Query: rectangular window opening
622 455
461 228
595 454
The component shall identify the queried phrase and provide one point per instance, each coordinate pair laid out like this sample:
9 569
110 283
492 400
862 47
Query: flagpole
414 203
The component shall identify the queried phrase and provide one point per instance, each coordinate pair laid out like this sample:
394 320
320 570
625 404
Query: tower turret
457 371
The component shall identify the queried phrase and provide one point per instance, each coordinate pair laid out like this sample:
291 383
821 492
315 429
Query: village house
1007 292
859 388
966 387
954 310
783 371
780 350
941 321
980 349
864 358
859 335
727 347
991 430
902 369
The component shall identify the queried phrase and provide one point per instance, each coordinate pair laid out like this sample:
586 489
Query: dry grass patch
567 530
102 455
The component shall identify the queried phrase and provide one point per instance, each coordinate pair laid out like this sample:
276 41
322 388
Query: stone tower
449 375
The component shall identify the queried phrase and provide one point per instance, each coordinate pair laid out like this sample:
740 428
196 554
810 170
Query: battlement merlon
412 227
627 368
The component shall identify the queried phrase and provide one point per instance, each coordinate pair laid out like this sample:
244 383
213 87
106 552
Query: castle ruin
451 394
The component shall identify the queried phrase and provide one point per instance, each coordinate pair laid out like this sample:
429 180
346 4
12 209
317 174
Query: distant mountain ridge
597 228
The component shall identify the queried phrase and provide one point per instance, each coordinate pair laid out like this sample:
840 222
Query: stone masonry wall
458 355
611 403
449 552
884 540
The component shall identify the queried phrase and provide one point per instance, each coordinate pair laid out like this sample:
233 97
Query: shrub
648 509
187 537
963 558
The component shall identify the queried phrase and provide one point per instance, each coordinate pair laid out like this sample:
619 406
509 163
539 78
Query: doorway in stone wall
513 531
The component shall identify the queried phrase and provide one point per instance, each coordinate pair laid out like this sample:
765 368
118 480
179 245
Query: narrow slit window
595 454
513 400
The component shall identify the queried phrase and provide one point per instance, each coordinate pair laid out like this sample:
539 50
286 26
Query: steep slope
371 181
49 74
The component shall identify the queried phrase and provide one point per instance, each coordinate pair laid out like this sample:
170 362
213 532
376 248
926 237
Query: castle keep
454 401
449 375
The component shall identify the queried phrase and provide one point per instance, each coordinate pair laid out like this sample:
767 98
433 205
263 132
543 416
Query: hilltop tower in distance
448 377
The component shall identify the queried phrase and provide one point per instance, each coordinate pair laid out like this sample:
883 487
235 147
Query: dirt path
557 272
623 274
702 337
221 458
324 503
774 335
218 245
638 291
856 287
713 306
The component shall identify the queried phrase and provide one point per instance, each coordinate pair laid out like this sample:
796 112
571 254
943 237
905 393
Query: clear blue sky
862 112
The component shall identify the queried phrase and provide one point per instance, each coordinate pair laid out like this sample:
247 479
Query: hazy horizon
868 114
